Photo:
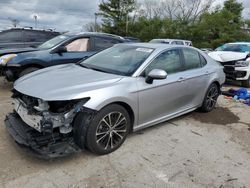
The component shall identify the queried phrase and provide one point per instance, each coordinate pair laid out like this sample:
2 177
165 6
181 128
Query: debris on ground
240 95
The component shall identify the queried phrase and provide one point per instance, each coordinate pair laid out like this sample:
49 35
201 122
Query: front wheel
108 129
210 99
27 71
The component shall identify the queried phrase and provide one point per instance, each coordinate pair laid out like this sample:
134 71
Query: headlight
6 58
242 64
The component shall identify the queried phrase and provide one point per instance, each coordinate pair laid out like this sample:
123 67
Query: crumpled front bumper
42 145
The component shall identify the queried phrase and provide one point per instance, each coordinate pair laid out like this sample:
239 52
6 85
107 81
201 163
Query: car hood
64 82
16 50
226 56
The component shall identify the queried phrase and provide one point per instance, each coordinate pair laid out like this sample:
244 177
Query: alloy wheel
212 96
111 130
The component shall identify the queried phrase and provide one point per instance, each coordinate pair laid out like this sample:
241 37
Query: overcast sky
62 15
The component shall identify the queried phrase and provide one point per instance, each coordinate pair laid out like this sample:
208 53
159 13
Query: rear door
77 49
195 77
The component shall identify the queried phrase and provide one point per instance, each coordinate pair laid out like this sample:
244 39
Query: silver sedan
96 103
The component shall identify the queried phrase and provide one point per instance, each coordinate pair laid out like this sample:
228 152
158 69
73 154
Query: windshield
53 42
120 59
234 48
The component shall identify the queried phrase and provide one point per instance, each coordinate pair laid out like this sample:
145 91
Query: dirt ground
195 150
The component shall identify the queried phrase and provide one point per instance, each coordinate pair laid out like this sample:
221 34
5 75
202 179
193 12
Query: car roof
29 29
93 34
172 40
157 46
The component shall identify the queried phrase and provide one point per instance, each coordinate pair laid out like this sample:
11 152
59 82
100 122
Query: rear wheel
28 70
210 99
246 83
108 130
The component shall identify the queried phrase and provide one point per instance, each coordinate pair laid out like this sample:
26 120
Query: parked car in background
172 41
66 48
235 57
96 103
132 39
24 37
207 50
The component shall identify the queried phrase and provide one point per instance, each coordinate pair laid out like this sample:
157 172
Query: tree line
200 21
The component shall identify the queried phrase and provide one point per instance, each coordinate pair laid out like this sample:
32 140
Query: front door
165 97
77 50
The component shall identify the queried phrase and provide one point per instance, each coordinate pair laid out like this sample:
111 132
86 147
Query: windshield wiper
100 70
96 69
84 66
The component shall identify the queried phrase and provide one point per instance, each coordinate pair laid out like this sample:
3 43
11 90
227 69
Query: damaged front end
45 127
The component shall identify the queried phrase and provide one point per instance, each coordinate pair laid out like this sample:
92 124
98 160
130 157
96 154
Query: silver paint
153 103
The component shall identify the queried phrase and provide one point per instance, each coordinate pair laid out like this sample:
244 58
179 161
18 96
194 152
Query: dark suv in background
66 48
24 37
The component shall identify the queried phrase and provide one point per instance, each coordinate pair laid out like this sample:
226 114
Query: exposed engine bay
46 127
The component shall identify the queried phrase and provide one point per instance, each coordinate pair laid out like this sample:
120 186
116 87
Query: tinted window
78 45
192 59
11 36
104 43
31 36
177 42
203 61
169 61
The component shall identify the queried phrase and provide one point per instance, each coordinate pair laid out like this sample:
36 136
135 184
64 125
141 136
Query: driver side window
78 45
170 61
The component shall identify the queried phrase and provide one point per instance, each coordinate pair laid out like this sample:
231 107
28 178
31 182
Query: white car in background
235 57
172 41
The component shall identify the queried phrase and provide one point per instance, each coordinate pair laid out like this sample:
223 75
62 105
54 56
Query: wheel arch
34 63
217 83
130 112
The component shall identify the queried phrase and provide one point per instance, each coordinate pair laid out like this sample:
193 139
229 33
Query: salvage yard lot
195 150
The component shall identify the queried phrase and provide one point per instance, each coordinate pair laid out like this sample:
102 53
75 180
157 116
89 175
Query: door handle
181 79
207 73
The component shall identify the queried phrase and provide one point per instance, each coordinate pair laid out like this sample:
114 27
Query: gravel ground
195 150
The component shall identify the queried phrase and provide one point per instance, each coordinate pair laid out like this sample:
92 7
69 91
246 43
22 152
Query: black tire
210 98
107 131
246 83
28 70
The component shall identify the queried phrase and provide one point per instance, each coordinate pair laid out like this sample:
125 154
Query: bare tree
190 10
184 10
15 22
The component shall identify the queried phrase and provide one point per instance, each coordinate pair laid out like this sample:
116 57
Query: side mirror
156 74
60 49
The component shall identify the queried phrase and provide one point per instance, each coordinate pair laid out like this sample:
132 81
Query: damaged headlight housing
242 64
6 58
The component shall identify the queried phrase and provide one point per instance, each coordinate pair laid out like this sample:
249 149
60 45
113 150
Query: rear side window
104 43
192 59
177 42
203 61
